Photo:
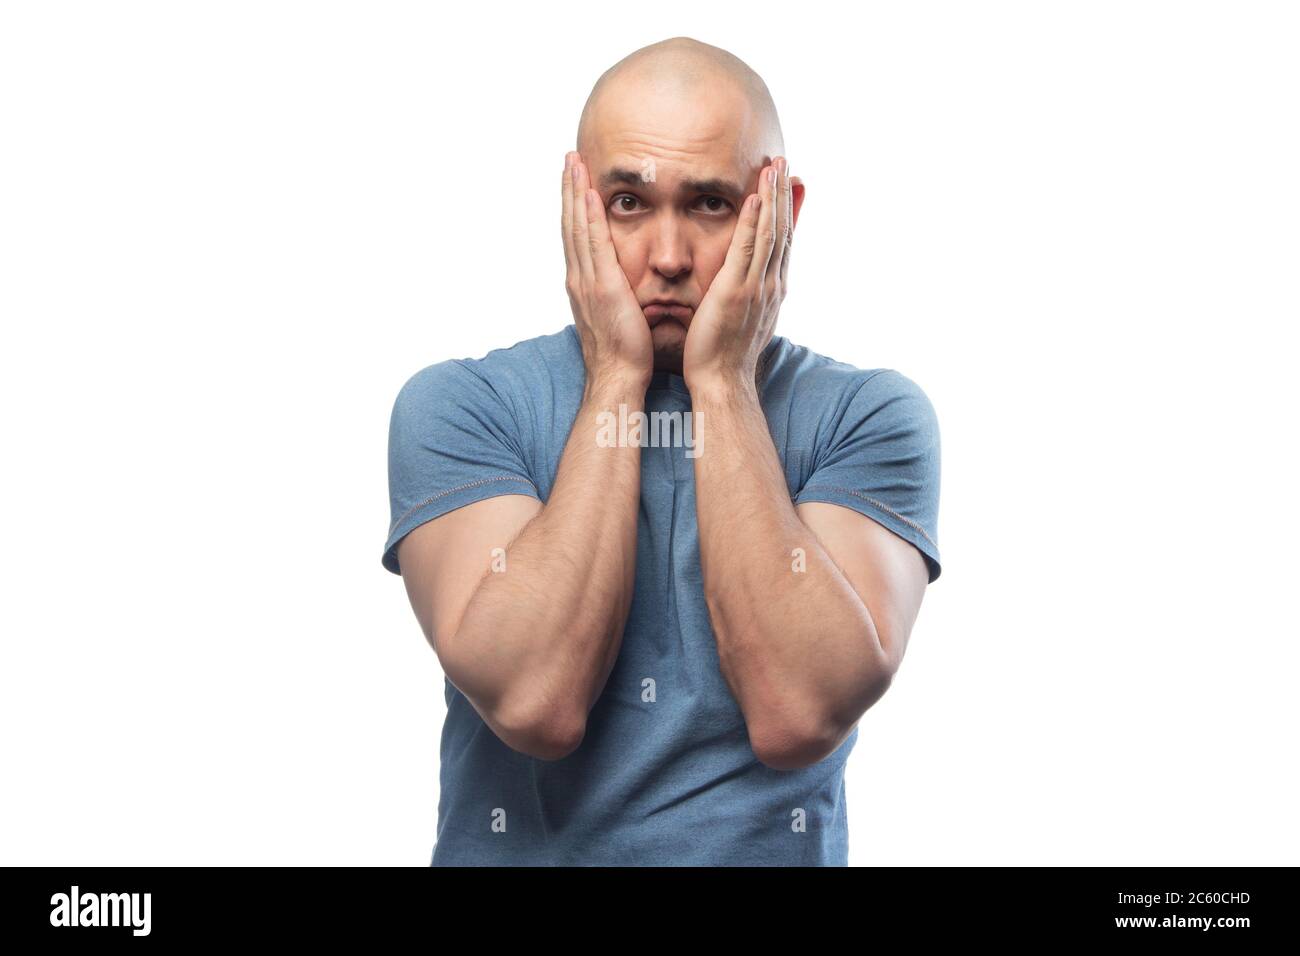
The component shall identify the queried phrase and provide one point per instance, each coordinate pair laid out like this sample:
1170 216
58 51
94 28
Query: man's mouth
657 311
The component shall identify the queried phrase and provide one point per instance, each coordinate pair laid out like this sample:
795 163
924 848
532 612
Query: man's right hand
615 337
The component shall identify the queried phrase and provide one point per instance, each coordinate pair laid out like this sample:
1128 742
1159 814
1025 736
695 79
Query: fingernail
771 175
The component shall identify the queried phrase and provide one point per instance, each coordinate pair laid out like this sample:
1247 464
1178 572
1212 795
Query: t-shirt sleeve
883 461
452 441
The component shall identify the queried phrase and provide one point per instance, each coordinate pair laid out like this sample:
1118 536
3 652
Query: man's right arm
531 644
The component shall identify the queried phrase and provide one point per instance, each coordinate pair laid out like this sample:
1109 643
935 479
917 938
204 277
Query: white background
230 231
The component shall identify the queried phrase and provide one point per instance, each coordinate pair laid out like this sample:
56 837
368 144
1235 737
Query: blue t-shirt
669 777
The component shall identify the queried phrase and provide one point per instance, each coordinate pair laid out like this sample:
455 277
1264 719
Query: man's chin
669 338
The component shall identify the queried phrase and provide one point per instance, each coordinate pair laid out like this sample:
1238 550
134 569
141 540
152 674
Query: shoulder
504 376
841 390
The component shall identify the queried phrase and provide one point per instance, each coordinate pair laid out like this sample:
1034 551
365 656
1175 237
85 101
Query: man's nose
670 252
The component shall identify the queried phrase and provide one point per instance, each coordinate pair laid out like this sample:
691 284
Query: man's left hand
736 318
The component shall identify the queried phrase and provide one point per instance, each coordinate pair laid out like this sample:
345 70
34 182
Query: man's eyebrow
716 185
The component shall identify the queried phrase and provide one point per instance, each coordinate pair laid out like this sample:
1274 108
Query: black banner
1221 907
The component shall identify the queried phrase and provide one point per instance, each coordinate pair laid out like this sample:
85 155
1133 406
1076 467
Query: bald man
665 557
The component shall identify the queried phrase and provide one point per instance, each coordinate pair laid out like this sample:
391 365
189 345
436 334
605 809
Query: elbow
792 744
796 744
538 731
786 749
536 728
556 743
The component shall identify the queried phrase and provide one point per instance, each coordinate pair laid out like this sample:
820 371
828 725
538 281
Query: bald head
674 138
678 77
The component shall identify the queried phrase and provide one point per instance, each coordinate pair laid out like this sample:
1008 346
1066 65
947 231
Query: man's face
672 176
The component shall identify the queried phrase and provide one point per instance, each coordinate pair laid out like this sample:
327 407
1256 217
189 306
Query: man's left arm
811 605
811 609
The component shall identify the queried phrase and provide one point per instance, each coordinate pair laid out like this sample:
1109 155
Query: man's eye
620 203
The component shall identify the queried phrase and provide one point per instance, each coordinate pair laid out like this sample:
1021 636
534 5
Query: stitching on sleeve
442 494
879 504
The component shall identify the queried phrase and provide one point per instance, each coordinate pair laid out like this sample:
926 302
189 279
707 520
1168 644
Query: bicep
888 573
444 560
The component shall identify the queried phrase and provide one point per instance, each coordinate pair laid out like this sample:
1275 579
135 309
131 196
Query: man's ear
796 195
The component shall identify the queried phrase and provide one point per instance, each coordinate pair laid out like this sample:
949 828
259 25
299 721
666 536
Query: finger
782 220
741 251
736 265
581 241
765 235
789 235
566 211
603 256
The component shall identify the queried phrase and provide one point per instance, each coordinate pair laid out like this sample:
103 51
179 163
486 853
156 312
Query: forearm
798 648
538 640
